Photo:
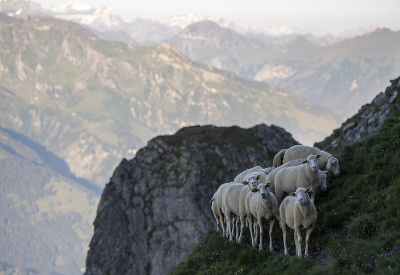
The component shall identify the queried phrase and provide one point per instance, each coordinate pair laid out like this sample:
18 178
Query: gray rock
393 97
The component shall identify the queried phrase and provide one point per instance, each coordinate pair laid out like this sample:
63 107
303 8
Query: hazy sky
333 15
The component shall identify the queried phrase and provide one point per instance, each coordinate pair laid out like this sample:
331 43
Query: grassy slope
357 227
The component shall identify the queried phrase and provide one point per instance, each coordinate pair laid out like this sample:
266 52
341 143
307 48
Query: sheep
271 175
288 179
261 204
239 178
326 162
216 207
298 211
278 158
233 202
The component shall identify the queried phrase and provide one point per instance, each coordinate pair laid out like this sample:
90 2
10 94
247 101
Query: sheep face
322 182
302 195
252 183
312 162
264 190
333 165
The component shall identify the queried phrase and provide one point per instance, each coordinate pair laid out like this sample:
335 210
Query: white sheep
233 203
272 174
216 207
261 205
326 162
240 177
298 211
288 179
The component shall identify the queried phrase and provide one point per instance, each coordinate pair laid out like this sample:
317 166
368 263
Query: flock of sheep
259 193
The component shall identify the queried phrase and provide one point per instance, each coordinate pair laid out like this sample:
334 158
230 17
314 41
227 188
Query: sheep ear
245 182
268 184
258 177
318 156
304 161
309 189
293 194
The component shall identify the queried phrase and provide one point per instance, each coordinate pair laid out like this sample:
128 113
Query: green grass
357 227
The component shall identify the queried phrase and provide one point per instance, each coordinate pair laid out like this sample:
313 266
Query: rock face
156 206
368 120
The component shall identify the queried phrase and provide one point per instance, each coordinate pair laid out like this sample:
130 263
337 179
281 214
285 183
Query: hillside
46 213
93 102
341 77
358 218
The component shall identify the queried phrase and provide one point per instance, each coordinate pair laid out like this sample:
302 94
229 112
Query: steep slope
156 206
46 214
341 77
93 101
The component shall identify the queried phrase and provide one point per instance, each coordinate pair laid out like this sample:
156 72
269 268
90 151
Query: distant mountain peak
72 7
186 19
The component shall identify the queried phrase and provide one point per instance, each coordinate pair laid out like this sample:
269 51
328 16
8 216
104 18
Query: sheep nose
263 195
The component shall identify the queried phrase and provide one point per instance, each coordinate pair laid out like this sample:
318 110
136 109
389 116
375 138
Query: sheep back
303 151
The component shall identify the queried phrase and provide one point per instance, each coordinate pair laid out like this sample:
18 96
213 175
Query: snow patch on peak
186 19
72 7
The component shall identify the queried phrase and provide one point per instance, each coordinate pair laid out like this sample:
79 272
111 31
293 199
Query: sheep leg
261 233
217 220
284 230
233 226
242 222
255 228
221 221
296 242
271 225
309 230
237 228
299 240
229 224
250 220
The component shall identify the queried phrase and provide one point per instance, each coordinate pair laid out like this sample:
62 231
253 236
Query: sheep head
312 162
263 188
333 165
302 195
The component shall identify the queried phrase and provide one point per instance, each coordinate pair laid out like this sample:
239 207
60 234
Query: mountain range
341 77
339 72
107 24
93 101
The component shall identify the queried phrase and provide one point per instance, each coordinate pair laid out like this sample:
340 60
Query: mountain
156 205
154 213
109 25
92 101
341 77
46 212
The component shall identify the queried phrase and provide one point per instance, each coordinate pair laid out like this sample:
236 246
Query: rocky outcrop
156 206
369 118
